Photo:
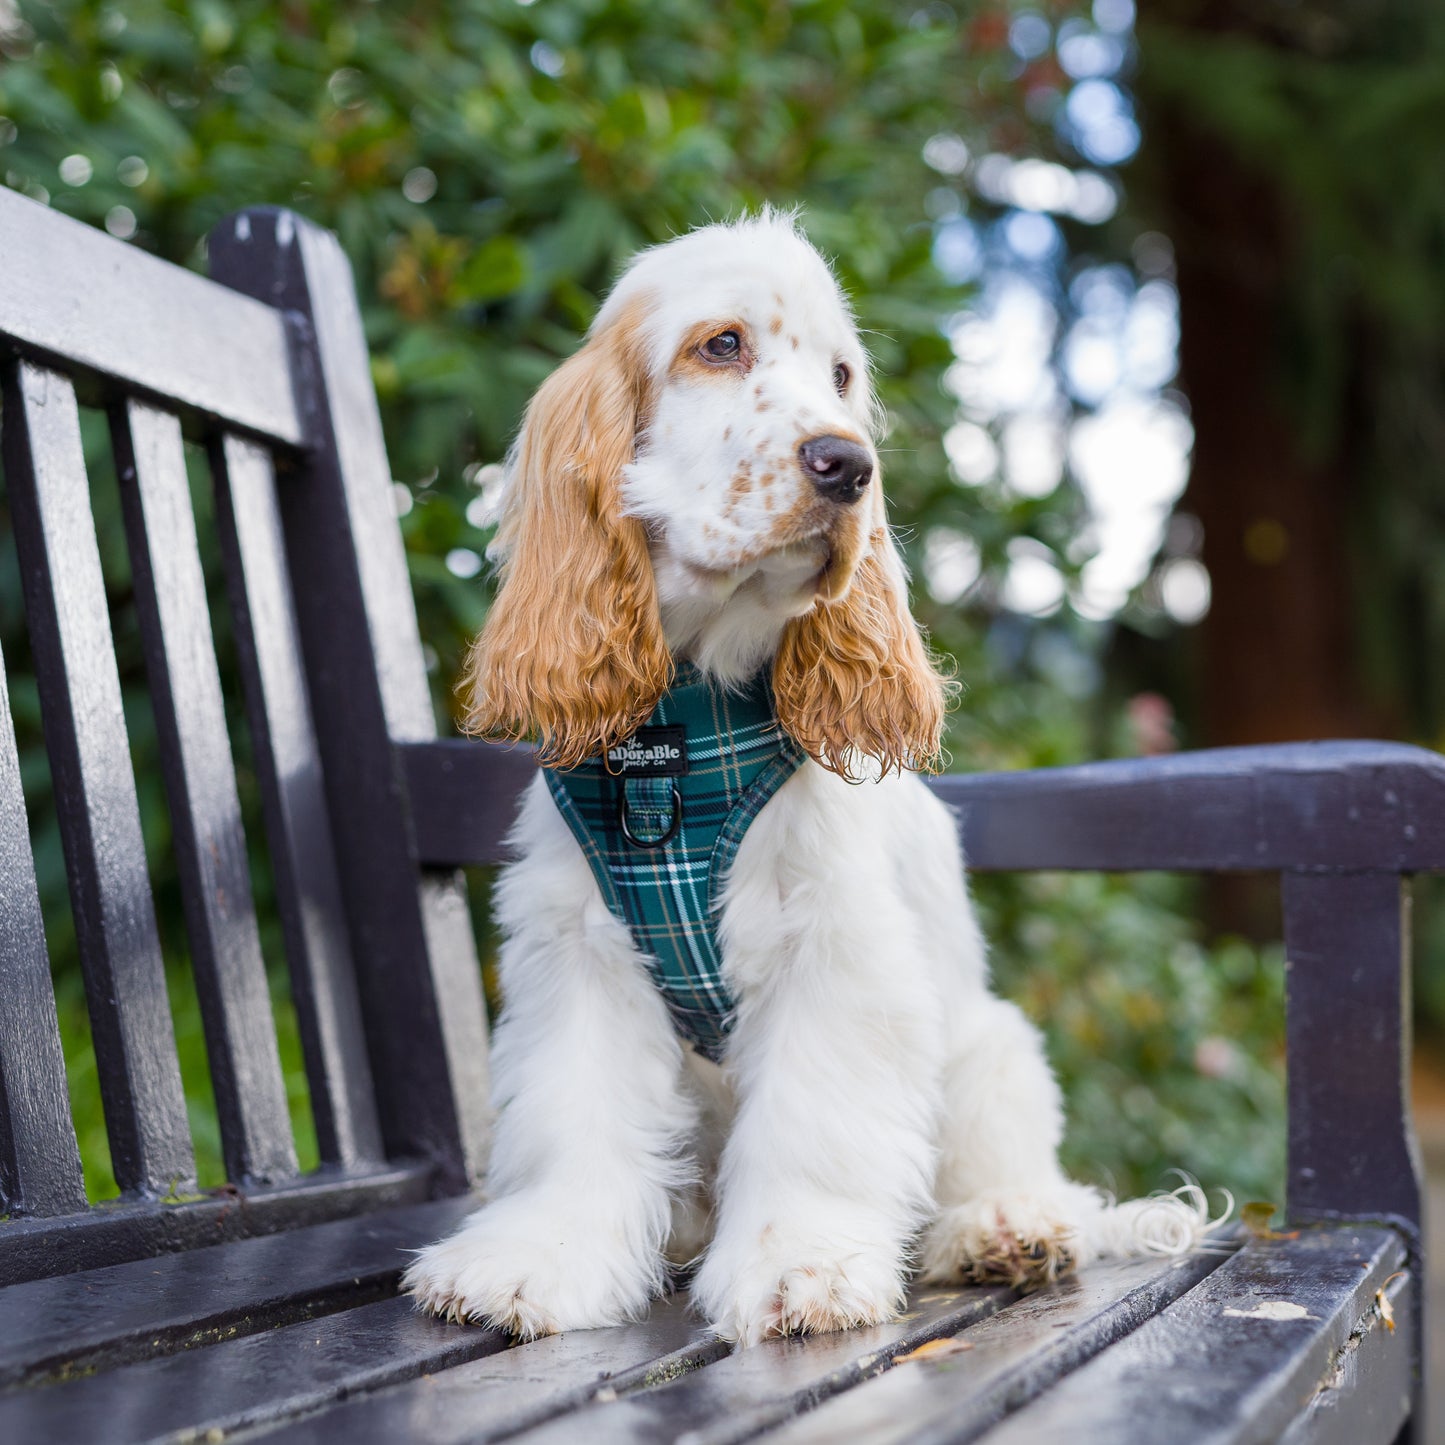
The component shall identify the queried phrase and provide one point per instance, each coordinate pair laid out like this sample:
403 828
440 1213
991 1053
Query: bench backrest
267 366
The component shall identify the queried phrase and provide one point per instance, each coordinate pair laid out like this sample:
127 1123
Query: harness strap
660 820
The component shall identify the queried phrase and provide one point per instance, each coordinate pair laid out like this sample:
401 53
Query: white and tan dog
699 481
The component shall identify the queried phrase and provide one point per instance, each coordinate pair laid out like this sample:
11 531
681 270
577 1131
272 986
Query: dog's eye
725 346
841 378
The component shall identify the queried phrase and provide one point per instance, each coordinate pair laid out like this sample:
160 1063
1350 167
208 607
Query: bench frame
369 815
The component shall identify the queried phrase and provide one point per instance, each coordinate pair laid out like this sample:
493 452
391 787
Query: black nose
840 469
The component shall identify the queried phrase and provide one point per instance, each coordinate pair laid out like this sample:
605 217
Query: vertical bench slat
39 1162
298 829
115 925
415 955
170 590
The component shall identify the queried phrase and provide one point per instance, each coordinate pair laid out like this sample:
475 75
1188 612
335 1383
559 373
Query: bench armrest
1353 806
1367 806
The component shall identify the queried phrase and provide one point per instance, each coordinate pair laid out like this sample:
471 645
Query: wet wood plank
200 778
495 1397
1235 1359
1003 1361
261 1377
102 1317
746 1392
1369 1386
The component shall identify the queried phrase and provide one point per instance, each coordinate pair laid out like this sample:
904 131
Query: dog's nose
839 468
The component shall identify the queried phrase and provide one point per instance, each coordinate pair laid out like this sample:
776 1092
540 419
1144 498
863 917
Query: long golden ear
854 678
572 650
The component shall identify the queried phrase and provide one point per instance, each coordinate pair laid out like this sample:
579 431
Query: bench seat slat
1009 1358
298 828
200 778
744 1393
39 1161
497 1396
124 1312
1235 1358
115 924
272 1375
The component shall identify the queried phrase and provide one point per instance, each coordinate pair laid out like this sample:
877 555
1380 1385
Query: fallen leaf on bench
1273 1309
1256 1216
934 1350
1382 1303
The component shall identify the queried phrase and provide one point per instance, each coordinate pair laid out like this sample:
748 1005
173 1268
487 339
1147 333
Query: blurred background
1155 304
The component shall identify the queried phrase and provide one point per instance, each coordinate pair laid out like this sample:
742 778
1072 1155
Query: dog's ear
572 650
854 679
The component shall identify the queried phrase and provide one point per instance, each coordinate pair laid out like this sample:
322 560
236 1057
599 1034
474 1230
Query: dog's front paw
788 1287
531 1273
1022 1239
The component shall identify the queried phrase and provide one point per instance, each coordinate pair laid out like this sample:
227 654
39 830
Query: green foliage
1171 1054
488 166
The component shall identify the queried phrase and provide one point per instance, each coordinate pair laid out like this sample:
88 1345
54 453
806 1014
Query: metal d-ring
666 838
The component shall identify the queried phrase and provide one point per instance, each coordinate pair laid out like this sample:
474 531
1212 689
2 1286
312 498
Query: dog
693 507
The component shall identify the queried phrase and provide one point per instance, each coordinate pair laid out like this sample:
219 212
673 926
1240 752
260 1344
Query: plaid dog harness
660 820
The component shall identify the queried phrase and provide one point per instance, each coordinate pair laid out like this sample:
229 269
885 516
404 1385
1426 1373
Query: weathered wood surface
124 320
500 1394
415 957
288 1339
95 796
104 1317
200 779
118 1232
744 1393
1003 1361
39 1162
1371 1380
1239 1356
293 799
245 1381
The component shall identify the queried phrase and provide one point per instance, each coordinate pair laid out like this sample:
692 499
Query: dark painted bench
269 1308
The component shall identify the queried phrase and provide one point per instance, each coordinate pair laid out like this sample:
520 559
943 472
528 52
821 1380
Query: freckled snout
839 468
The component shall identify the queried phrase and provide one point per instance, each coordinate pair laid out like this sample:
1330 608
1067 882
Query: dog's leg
826 1174
1006 1210
591 1122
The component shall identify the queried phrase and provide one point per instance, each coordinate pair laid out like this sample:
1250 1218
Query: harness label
650 753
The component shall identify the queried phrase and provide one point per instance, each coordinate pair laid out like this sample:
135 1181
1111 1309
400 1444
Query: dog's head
701 476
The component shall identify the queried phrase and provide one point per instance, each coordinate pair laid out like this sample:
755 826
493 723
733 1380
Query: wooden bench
269 1308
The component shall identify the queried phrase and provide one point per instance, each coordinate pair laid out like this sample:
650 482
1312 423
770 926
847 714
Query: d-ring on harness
660 819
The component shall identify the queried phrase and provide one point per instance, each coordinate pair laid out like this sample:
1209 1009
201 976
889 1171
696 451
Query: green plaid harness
660 820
